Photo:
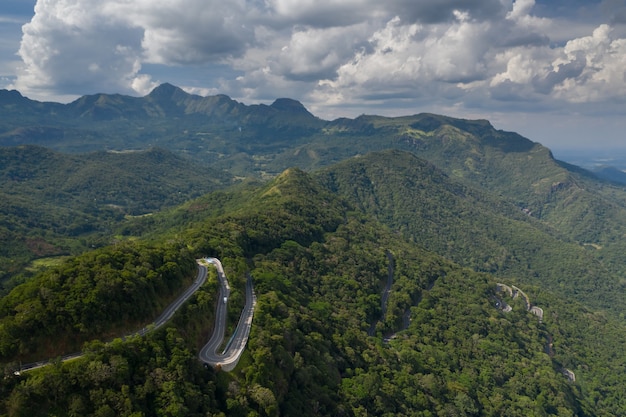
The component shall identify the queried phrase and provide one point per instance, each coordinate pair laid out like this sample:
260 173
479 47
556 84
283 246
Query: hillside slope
471 227
60 204
566 198
319 270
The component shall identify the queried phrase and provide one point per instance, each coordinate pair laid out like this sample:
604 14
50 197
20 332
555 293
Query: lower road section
229 357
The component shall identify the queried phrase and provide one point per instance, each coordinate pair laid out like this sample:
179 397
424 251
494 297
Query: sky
552 70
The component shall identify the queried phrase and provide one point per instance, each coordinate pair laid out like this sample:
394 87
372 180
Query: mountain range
104 195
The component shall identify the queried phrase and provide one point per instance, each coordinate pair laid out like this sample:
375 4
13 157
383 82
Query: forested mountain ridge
319 269
98 295
569 198
167 117
474 228
163 102
61 204
136 182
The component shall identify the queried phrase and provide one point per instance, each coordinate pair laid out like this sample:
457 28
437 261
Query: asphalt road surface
226 359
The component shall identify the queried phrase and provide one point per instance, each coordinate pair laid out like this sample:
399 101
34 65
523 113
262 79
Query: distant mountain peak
166 91
288 104
10 96
432 121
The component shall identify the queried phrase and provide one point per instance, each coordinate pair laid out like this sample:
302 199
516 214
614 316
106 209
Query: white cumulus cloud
603 67
455 53
74 47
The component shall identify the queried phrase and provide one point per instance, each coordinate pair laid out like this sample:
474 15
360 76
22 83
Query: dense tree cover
291 207
157 375
32 229
443 348
308 356
459 355
153 375
55 204
134 182
95 295
471 227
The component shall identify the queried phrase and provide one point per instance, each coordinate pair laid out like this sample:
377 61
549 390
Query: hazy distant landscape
594 158
376 245
609 164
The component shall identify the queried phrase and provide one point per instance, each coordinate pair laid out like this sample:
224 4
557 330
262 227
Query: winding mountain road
169 311
228 359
